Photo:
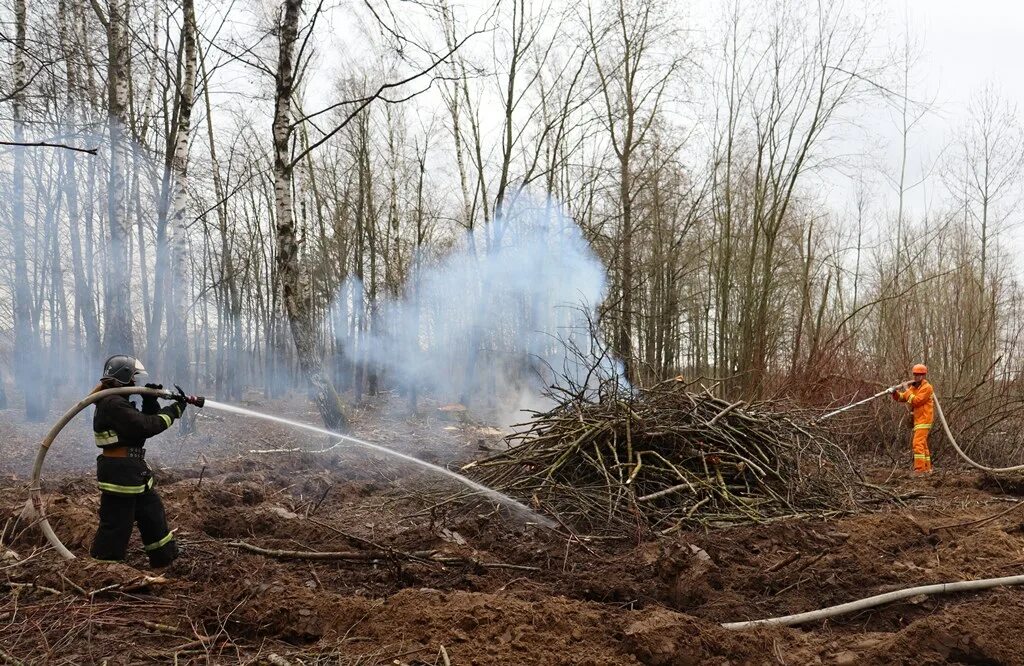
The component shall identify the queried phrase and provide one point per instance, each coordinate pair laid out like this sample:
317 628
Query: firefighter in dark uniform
125 480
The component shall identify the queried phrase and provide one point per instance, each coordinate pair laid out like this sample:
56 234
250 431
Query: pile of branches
667 458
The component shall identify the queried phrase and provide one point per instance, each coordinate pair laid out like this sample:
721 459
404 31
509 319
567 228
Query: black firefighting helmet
123 370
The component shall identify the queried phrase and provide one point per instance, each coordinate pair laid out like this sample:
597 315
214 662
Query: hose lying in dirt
35 508
952 440
878 600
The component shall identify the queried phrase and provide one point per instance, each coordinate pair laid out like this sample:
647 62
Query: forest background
432 198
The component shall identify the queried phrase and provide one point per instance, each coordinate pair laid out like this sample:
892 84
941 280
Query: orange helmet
920 369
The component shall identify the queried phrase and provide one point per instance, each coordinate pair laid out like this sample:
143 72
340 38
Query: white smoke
507 313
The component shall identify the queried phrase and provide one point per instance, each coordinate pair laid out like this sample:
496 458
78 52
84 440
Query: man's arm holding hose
149 402
133 423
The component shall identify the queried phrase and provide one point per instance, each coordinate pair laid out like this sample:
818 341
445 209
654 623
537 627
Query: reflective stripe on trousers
919 443
161 543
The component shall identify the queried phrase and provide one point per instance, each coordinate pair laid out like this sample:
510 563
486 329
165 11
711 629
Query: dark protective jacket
126 482
118 423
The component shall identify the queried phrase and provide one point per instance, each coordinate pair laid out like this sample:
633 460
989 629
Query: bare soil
508 593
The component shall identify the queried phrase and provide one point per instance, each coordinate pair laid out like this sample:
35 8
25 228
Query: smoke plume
494 322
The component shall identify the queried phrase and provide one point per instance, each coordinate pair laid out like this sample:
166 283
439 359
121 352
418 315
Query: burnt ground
505 592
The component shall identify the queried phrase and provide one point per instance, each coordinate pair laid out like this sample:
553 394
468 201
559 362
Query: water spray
490 493
35 507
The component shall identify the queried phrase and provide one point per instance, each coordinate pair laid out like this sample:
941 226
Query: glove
149 403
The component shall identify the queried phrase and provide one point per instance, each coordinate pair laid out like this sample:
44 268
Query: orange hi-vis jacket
921 403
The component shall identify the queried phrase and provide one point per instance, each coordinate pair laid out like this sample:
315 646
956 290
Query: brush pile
668 458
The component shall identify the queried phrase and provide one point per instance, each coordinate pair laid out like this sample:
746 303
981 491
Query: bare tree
295 293
983 180
28 362
632 85
117 334
178 312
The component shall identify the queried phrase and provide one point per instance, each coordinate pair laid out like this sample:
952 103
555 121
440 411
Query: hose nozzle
180 396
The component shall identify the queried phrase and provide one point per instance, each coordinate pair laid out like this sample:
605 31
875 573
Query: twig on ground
74 585
31 586
980 521
374 556
321 500
8 659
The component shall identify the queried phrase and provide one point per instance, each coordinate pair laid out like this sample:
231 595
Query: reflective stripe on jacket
921 403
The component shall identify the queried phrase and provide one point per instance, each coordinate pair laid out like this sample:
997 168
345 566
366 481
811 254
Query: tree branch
47 144
366 101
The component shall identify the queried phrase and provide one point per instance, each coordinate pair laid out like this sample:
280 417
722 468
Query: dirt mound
663 638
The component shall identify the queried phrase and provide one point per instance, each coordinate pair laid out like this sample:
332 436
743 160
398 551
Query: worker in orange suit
918 395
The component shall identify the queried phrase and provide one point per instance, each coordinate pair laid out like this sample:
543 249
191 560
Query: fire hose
859 402
952 440
35 507
879 600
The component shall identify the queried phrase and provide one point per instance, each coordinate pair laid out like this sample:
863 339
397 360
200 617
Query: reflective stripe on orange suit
922 405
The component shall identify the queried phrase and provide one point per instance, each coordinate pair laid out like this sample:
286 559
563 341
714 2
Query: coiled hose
35 507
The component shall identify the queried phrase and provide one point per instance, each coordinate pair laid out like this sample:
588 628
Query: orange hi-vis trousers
922 456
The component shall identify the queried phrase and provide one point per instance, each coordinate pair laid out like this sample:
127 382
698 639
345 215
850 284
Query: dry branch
669 457
8 659
353 556
375 556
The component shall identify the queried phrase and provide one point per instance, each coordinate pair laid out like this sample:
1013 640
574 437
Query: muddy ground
446 583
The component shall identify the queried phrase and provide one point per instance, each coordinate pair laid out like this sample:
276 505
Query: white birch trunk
177 330
296 299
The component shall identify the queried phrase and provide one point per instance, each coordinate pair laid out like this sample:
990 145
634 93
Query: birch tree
178 312
295 291
28 361
117 336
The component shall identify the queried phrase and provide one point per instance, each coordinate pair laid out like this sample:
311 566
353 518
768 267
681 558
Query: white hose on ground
878 600
35 507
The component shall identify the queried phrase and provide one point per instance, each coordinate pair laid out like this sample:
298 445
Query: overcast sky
963 46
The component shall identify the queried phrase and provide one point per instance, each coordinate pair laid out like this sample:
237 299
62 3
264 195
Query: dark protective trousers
127 498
